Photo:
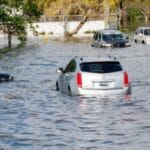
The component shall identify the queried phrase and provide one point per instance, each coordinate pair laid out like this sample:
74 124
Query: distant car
142 35
93 76
110 38
6 77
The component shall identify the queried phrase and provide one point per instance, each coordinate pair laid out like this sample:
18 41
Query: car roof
146 27
109 31
95 59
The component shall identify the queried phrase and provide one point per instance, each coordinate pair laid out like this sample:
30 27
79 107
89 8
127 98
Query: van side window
147 32
140 31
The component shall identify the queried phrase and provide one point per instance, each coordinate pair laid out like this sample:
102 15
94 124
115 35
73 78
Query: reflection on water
35 116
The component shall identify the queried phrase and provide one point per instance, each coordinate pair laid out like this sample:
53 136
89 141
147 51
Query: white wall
57 28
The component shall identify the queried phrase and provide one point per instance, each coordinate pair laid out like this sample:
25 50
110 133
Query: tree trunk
145 16
9 39
123 20
75 31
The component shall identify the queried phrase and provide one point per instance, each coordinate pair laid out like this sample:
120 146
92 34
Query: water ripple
34 116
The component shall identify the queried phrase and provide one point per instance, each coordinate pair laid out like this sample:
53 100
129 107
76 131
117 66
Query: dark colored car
110 38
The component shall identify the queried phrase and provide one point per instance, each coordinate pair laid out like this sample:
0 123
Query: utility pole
106 14
65 18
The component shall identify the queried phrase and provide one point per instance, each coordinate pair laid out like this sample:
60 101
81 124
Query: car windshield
147 32
109 37
101 67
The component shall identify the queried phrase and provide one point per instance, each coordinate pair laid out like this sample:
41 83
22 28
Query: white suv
142 35
93 76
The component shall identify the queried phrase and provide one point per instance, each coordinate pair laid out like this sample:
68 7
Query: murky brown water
36 117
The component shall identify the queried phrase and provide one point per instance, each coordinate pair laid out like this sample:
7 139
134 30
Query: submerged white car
142 35
93 76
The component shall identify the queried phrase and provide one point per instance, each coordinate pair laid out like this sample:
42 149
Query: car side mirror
60 70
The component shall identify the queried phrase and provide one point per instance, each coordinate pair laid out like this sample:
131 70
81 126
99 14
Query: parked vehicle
6 77
93 76
142 35
110 38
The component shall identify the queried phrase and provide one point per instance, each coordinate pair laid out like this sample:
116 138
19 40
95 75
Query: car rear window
101 67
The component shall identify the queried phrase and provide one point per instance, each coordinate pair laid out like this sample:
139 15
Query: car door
96 40
61 79
140 35
69 75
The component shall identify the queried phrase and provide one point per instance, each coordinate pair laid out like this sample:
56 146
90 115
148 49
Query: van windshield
147 32
101 67
109 37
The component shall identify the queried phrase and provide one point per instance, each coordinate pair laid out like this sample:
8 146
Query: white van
142 35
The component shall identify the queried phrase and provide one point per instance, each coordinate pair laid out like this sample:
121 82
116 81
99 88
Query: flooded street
34 116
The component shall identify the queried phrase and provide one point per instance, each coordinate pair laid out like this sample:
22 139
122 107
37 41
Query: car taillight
126 79
79 79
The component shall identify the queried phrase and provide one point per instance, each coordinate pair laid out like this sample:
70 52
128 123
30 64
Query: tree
144 7
140 6
15 15
91 8
86 8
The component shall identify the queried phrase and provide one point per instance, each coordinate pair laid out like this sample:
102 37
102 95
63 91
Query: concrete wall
58 28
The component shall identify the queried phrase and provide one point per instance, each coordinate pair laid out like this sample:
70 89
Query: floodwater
34 116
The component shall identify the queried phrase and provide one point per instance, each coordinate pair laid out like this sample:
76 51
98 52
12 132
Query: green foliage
133 13
15 15
31 11
71 7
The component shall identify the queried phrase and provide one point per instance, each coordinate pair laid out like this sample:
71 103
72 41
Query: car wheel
57 86
69 91
143 42
135 41
11 78
129 91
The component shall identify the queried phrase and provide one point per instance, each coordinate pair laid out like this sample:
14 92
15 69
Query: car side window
96 36
99 36
70 67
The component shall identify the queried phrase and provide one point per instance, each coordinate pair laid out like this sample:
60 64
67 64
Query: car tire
11 78
57 86
129 90
143 42
69 91
135 41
